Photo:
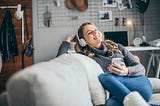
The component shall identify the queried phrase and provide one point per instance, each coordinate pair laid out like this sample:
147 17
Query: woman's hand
119 69
71 38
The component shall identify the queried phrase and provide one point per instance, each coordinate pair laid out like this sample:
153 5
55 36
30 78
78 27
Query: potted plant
142 6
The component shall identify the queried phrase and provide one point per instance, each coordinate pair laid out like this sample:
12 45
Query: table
132 48
153 55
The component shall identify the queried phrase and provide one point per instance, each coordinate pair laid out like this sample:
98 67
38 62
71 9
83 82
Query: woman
122 73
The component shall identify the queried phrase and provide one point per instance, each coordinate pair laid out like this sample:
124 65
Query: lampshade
18 14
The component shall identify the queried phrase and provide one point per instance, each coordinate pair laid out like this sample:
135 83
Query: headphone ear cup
82 42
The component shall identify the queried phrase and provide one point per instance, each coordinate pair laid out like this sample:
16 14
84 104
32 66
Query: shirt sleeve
63 48
135 67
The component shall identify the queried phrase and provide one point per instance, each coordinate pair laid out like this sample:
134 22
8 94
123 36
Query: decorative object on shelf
137 41
124 21
117 22
142 6
47 18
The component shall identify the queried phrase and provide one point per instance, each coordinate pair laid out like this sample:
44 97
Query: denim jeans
120 86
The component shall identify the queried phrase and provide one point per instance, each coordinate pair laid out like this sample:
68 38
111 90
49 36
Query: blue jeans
120 86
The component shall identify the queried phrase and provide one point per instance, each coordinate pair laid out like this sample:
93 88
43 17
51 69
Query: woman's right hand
71 38
119 69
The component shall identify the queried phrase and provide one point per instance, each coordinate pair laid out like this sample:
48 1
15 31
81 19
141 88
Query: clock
137 41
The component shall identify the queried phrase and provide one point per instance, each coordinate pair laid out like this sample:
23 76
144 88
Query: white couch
68 80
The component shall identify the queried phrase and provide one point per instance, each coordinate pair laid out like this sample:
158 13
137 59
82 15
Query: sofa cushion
92 70
155 82
58 82
155 99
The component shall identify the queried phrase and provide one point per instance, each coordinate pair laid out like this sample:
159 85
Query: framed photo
109 3
105 15
124 4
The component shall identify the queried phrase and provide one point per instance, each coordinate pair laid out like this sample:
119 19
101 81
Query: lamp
19 14
129 23
136 40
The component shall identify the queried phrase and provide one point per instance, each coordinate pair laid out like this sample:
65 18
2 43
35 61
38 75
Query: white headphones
81 41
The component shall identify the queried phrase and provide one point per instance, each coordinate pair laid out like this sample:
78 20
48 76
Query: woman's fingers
114 69
119 69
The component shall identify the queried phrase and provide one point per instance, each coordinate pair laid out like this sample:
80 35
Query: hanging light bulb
18 14
129 22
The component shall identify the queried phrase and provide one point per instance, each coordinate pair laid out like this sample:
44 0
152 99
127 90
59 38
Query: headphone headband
81 41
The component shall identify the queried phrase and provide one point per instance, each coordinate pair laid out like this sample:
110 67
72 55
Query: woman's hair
112 47
80 30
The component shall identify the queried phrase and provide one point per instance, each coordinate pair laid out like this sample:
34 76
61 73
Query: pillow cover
58 82
92 70
155 82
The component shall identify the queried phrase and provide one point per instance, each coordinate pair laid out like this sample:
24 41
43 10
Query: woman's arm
135 67
63 48
65 45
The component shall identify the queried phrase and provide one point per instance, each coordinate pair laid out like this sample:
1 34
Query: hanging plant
142 6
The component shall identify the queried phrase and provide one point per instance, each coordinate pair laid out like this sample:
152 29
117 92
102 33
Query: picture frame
105 15
109 3
124 4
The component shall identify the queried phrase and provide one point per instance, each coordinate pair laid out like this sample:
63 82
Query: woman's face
92 36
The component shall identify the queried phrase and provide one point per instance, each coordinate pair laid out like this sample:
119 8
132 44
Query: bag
29 48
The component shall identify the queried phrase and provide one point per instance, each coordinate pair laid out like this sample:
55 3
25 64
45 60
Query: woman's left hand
71 38
119 69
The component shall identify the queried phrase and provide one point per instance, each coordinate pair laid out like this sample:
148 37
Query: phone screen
117 60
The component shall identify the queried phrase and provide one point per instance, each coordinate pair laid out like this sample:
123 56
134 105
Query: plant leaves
142 6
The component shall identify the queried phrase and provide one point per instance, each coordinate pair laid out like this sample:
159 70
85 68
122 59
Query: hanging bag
29 49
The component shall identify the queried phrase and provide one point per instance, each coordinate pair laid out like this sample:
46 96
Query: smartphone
117 60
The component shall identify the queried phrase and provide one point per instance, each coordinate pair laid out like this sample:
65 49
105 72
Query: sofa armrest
58 82
3 99
155 82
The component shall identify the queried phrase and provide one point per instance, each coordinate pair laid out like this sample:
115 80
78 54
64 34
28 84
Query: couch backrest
58 82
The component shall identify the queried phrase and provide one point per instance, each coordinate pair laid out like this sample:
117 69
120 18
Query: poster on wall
105 15
109 3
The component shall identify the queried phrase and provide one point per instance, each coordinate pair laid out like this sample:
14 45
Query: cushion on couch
58 82
92 70
155 82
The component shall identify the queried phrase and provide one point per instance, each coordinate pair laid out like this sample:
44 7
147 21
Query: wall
48 39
